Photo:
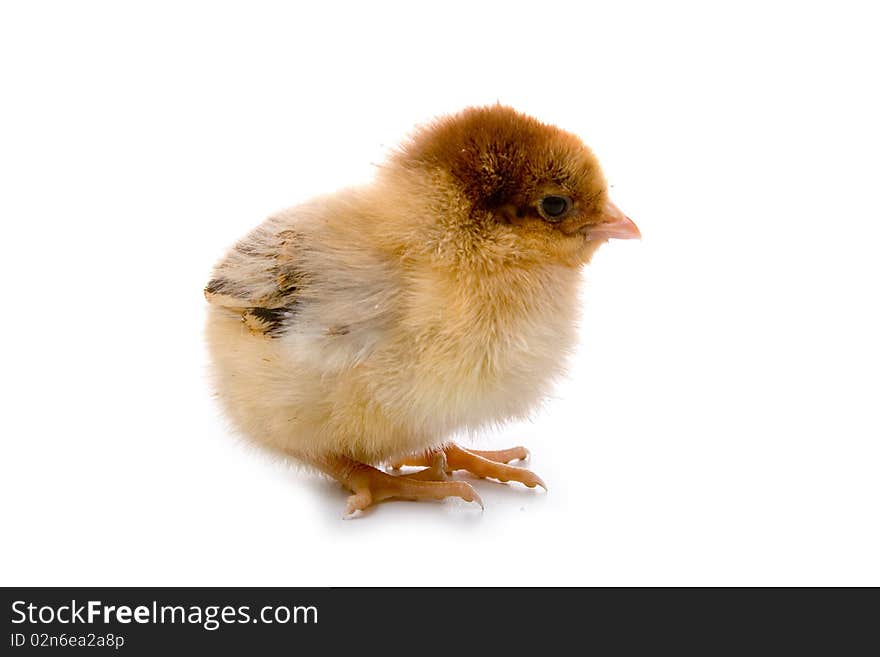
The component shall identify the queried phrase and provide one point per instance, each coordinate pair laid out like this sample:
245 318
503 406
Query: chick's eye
554 208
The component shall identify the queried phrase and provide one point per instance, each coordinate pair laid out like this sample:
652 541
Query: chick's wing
259 279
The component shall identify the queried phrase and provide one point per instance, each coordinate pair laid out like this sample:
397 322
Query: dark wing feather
258 279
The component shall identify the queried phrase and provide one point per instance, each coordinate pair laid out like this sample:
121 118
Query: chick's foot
370 486
480 463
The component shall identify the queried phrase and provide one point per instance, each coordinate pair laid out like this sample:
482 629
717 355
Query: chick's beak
614 224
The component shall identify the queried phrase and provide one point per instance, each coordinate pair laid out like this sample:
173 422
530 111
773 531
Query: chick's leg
370 486
480 463
437 470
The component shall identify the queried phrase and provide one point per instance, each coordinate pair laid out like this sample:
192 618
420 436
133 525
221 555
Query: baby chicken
366 327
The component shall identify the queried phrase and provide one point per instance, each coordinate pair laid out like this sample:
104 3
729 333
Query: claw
471 495
537 482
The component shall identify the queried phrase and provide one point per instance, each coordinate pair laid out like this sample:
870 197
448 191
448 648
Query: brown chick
366 327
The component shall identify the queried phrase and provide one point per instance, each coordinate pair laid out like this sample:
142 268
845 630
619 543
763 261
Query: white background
719 425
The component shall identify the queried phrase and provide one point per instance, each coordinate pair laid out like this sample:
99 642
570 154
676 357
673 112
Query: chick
366 327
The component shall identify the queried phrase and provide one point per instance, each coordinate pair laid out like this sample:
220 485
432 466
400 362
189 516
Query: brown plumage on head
504 163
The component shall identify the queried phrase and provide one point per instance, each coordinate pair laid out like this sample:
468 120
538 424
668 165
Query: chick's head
516 188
